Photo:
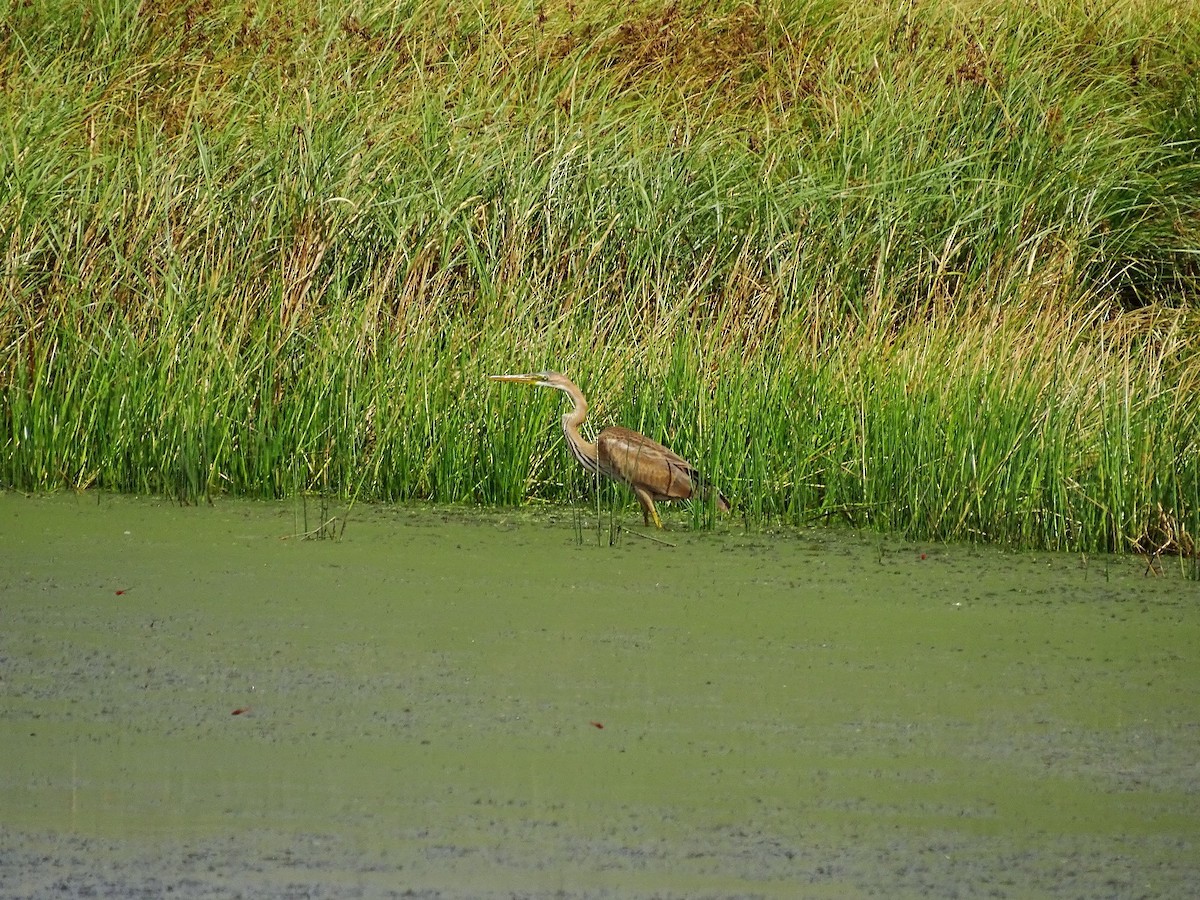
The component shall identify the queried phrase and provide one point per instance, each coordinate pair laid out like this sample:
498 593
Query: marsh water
453 703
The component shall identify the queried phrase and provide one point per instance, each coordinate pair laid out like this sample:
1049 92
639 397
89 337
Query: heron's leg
648 510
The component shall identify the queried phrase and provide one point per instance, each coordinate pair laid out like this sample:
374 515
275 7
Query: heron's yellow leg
647 502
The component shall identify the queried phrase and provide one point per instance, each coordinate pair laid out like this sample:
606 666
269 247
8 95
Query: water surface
478 704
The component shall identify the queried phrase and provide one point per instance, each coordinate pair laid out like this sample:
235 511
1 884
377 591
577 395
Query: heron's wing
636 460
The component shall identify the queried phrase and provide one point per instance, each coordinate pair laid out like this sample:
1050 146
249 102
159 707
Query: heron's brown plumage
639 461
649 468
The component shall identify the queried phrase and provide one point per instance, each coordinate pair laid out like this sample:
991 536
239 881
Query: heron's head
538 379
558 381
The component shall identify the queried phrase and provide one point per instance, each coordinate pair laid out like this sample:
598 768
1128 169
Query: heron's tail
708 490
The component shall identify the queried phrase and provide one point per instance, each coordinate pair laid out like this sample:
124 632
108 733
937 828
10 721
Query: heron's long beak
520 379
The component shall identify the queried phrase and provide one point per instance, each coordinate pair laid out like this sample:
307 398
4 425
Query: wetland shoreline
929 270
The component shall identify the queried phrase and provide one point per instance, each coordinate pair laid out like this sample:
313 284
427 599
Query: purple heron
624 455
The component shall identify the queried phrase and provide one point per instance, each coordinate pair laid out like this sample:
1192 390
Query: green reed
931 269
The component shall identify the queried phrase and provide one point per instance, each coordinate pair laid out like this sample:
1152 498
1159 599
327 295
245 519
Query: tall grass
931 268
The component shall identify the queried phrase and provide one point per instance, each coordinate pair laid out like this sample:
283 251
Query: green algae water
197 701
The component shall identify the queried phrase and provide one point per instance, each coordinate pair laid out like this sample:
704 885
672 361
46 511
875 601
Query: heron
651 470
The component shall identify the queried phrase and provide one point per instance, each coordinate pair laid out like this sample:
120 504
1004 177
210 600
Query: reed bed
929 268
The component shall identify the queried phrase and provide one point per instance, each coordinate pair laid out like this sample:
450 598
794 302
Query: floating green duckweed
472 704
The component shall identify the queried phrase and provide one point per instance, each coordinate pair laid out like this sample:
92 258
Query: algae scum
452 704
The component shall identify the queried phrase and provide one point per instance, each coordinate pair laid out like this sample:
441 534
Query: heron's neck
583 450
